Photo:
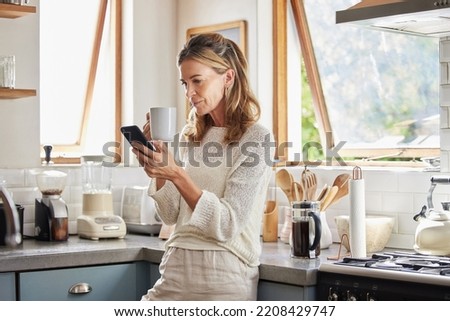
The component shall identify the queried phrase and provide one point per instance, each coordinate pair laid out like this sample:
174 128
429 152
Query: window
376 94
79 59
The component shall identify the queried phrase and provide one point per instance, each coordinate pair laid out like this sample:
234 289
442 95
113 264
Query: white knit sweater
234 181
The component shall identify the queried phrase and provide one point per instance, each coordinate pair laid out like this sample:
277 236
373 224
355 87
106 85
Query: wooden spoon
322 193
328 198
284 180
341 182
299 191
295 192
343 191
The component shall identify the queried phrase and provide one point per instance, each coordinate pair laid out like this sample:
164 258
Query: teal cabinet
273 291
154 273
7 287
116 282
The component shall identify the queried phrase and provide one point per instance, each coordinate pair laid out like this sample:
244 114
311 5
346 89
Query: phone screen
134 133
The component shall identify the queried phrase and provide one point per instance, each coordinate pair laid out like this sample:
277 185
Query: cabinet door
7 287
272 291
118 282
154 273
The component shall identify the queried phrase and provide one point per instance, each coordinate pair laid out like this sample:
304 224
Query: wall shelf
7 93
13 11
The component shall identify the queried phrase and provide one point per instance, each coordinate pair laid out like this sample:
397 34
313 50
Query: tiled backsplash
399 193
22 184
444 99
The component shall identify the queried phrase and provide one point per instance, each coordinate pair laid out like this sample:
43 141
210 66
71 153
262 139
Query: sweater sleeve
167 201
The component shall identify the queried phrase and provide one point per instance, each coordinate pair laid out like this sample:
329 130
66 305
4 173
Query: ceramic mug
163 123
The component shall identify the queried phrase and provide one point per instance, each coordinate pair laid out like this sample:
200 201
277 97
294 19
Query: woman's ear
229 77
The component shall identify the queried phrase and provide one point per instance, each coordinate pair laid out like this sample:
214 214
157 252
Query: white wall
150 73
149 70
19 129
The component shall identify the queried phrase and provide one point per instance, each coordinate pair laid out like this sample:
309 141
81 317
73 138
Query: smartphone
134 133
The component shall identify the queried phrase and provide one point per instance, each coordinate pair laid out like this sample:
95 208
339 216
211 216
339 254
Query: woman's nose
189 91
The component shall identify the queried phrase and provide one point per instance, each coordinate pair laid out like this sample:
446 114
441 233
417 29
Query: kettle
432 235
13 236
433 232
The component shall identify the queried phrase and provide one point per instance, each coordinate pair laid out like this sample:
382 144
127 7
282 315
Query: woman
216 197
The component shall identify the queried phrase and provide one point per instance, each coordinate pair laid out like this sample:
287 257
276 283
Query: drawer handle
80 288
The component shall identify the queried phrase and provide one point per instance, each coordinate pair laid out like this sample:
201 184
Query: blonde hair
242 109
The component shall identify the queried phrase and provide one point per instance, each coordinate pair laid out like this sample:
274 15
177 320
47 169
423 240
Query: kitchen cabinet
273 291
154 274
11 11
7 286
116 282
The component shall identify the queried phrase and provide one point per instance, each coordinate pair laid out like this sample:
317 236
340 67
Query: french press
306 229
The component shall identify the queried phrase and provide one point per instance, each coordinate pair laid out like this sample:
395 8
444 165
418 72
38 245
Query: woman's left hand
157 164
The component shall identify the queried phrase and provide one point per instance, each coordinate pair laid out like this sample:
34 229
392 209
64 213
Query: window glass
381 88
67 37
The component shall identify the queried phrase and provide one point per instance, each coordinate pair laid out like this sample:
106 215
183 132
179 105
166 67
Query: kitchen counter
276 263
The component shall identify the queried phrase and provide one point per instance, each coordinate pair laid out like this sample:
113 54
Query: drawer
7 287
118 282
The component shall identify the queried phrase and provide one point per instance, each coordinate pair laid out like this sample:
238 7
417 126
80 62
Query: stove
386 276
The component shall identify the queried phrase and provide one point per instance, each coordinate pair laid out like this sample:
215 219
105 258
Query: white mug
163 123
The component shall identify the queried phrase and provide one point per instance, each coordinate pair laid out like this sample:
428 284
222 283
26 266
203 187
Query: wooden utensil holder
270 222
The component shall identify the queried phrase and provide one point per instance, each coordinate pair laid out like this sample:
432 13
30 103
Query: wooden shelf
7 93
13 11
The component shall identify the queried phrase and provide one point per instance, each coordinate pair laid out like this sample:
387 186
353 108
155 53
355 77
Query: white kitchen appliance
139 212
98 220
51 222
432 235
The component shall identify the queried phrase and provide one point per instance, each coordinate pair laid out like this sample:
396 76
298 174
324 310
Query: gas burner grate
402 261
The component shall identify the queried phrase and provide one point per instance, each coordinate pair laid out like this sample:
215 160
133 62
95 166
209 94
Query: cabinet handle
80 288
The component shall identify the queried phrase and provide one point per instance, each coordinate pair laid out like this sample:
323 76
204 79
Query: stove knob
350 296
332 296
370 297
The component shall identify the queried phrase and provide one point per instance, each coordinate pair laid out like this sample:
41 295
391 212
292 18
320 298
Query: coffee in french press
306 229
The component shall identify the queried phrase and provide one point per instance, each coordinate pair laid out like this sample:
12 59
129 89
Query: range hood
430 18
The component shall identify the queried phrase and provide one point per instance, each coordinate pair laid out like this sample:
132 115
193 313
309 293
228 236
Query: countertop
276 263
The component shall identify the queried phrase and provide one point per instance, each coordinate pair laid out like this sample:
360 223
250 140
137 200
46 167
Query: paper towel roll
357 223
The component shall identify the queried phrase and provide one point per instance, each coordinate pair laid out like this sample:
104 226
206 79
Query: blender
51 213
97 219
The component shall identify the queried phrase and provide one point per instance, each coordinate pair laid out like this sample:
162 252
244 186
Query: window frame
116 31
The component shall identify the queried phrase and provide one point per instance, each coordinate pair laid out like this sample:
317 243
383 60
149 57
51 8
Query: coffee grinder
51 213
97 219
